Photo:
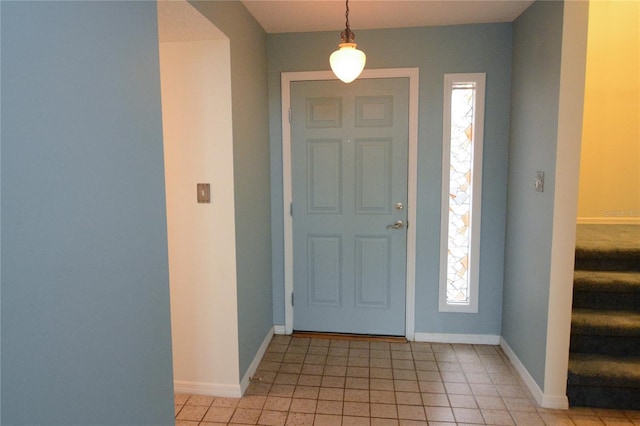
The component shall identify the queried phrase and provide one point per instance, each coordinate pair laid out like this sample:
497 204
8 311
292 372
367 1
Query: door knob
397 225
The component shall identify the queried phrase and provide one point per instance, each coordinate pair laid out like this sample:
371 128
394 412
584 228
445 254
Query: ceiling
280 16
179 21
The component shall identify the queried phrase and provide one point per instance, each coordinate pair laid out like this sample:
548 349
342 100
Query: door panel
324 176
373 272
349 147
324 260
373 176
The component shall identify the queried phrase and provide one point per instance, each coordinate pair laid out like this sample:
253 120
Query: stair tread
602 239
604 370
607 281
605 322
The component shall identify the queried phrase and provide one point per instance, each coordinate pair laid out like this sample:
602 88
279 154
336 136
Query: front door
349 147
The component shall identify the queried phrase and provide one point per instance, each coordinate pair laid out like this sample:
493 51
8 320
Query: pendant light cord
346 14
347 35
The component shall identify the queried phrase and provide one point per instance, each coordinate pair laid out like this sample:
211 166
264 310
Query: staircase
604 359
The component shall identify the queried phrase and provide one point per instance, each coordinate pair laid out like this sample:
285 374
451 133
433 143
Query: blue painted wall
0 214
251 171
85 290
436 51
537 42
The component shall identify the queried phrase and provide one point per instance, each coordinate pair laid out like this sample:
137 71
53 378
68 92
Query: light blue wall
0 214
85 288
251 170
436 51
537 42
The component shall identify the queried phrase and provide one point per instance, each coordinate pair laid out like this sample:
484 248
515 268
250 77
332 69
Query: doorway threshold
349 336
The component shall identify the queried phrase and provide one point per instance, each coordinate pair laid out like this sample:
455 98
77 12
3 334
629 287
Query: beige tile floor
320 381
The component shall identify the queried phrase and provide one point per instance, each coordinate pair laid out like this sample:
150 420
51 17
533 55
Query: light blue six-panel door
349 146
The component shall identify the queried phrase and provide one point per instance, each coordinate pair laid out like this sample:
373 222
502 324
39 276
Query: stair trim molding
623 220
560 402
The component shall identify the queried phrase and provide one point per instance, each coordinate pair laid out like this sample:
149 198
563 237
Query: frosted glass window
461 189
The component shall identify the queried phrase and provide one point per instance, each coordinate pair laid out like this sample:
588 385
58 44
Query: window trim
479 79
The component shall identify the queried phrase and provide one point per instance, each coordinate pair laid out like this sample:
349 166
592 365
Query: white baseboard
522 371
244 383
469 339
620 220
547 401
209 389
279 329
556 402
225 390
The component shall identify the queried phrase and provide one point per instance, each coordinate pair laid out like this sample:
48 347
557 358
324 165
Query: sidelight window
461 191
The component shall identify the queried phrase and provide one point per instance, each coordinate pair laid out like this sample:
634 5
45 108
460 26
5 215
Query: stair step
609 260
606 281
608 247
606 301
607 236
612 345
604 381
605 323
606 290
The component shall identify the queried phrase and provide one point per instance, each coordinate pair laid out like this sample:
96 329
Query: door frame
412 180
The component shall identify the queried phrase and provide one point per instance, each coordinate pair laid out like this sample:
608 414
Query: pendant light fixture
347 62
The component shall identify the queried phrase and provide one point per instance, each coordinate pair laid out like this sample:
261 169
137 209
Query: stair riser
599 264
604 397
606 301
628 346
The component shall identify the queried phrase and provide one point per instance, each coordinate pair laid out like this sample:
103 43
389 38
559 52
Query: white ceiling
179 21
282 16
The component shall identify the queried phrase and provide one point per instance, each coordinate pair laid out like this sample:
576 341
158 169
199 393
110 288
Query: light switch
539 182
204 193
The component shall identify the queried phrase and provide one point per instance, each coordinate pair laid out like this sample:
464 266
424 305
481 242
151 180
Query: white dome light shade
347 62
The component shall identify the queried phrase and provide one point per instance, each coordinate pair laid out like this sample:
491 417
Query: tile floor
320 381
